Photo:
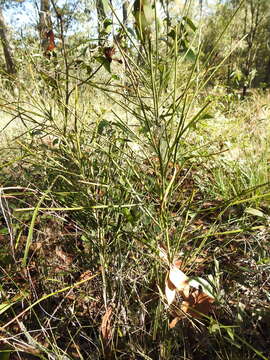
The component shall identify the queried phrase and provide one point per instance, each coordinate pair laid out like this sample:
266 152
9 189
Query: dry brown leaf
185 306
86 275
63 256
178 263
105 327
179 280
203 302
197 304
36 246
173 322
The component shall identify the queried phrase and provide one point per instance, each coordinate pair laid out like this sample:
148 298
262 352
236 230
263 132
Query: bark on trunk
45 21
125 12
10 64
101 17
45 24
267 73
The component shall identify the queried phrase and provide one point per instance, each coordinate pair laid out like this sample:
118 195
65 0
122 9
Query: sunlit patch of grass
104 211
238 142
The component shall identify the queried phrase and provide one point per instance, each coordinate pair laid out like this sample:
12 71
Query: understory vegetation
134 204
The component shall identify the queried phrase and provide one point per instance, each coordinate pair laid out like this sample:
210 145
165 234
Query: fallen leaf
178 263
63 256
174 322
205 285
163 253
36 246
197 304
86 275
170 291
179 280
185 306
254 212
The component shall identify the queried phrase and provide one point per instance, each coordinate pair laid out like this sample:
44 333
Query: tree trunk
254 10
45 21
10 64
101 15
125 12
45 24
267 74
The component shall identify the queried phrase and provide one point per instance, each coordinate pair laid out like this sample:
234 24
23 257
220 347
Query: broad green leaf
254 212
105 62
190 55
107 22
4 306
230 332
131 31
206 116
102 125
207 288
107 26
4 231
264 261
190 23
115 77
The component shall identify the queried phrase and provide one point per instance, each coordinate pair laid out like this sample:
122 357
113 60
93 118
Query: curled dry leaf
178 263
179 280
185 306
170 291
105 328
197 304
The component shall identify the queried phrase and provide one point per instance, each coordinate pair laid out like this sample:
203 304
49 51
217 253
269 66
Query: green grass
92 189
